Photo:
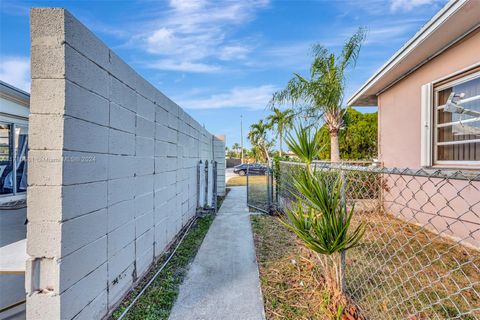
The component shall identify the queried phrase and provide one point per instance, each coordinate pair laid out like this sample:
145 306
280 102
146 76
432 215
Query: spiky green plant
305 144
322 221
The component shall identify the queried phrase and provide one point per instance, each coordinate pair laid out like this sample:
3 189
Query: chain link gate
260 187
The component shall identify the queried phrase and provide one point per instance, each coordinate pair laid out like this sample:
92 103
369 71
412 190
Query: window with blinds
456 119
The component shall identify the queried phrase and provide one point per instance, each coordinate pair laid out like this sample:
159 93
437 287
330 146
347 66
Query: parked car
253 169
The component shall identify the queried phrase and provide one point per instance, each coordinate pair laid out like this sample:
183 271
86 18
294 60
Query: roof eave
362 97
14 94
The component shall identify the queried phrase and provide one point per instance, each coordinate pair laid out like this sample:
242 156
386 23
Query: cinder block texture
112 172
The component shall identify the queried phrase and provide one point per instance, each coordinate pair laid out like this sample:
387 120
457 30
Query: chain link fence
419 257
260 187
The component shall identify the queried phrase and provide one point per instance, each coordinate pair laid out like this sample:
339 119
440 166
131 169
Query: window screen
457 121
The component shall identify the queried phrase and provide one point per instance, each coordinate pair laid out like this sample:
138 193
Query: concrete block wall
112 172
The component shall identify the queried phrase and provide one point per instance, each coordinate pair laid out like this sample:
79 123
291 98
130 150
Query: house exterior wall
10 108
447 207
399 109
112 172
424 201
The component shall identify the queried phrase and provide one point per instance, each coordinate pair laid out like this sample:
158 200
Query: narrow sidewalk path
223 281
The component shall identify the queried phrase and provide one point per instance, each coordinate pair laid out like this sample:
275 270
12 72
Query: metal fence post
269 186
248 167
343 201
275 175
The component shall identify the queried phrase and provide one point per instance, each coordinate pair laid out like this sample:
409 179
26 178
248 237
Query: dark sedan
253 169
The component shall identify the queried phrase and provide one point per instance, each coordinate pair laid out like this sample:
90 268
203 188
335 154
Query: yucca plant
322 221
305 144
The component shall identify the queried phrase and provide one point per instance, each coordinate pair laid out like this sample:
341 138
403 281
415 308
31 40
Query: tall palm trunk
266 152
334 147
334 121
280 133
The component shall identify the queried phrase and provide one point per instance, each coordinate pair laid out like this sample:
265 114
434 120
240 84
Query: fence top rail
347 162
352 162
468 175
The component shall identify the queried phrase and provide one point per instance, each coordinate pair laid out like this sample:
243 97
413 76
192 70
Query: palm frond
351 49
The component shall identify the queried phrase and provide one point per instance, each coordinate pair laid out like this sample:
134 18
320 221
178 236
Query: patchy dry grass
400 271
292 284
403 271
257 189
242 181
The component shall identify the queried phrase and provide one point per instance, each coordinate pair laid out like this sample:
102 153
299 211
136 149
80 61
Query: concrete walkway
223 281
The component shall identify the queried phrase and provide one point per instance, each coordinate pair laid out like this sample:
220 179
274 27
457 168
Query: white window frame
15 195
429 128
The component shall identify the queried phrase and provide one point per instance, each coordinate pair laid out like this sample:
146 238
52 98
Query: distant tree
357 139
230 153
258 138
321 94
256 153
236 148
281 121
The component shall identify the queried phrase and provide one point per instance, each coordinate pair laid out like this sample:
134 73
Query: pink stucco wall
446 207
399 106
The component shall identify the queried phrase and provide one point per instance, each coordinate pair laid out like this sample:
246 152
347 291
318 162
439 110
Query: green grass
257 189
242 181
158 300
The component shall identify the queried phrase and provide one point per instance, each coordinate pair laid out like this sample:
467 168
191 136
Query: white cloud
232 52
383 32
184 66
240 97
16 71
407 5
191 32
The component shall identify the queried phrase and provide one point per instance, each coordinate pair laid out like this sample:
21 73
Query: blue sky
219 59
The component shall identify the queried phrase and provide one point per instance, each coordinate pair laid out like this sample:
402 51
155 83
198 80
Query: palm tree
256 153
258 137
281 120
322 93
236 147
